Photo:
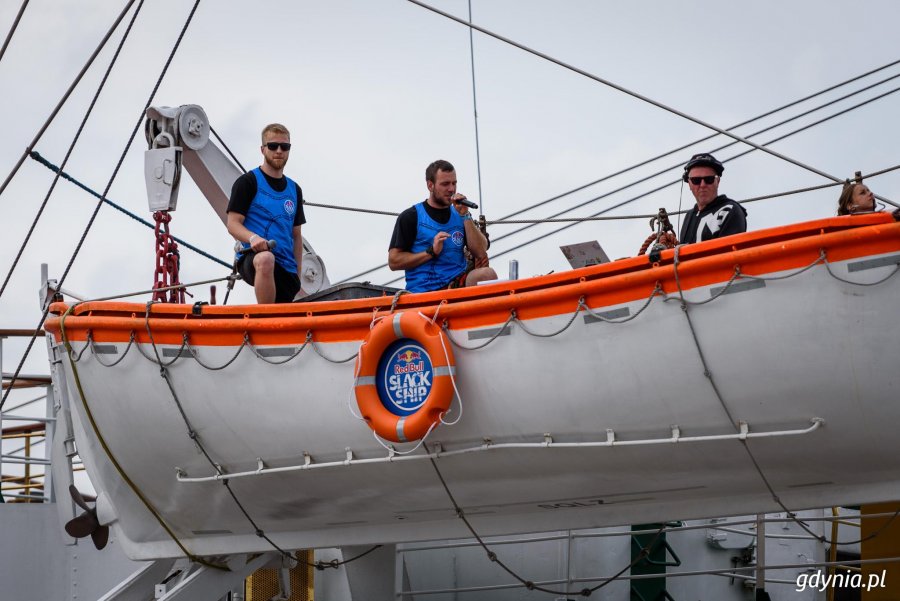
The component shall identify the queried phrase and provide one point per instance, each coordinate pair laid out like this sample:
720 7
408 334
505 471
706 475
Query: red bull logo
408 356
405 378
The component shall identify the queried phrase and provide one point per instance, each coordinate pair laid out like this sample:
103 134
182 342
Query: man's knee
264 262
482 274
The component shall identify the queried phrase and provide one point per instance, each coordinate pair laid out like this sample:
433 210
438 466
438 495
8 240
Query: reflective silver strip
737 287
489 333
211 532
398 331
400 434
365 381
276 351
611 314
873 263
105 349
177 352
445 370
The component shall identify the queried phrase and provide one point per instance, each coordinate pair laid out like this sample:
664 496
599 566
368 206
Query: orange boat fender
404 377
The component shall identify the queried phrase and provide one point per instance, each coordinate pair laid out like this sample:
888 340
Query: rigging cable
625 90
680 212
71 148
228 150
667 184
475 114
708 374
40 159
748 151
112 458
530 584
65 97
680 148
730 144
15 24
711 136
196 438
109 184
505 219
556 231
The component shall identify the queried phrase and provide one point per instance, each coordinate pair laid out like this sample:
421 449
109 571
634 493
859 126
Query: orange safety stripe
619 282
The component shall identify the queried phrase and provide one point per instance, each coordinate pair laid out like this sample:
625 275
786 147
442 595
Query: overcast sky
375 90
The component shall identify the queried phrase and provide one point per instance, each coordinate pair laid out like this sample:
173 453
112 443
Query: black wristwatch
430 251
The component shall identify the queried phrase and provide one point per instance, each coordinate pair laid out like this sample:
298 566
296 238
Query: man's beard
273 163
443 203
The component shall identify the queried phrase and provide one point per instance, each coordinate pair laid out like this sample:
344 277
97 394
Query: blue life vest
436 273
271 216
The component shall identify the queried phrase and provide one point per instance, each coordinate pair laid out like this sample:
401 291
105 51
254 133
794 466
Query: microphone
239 246
466 203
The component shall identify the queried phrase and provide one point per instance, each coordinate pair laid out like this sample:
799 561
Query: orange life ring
404 377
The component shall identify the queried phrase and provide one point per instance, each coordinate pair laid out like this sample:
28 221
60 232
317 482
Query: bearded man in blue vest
429 238
265 205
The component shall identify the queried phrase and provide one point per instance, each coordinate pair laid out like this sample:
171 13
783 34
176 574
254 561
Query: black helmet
704 159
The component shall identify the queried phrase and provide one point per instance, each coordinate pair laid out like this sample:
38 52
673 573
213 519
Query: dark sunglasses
273 146
706 179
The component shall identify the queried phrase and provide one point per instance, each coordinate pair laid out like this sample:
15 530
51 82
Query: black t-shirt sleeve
299 216
405 230
242 193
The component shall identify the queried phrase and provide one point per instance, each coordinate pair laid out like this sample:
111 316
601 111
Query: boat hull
776 393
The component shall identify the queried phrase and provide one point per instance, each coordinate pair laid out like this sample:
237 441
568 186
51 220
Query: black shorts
287 284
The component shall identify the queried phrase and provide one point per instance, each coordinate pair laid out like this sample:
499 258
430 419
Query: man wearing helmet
715 215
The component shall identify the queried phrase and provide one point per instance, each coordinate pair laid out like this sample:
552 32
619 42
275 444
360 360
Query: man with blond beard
266 205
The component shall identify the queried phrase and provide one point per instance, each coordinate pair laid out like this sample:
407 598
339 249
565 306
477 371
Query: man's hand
460 208
438 243
258 243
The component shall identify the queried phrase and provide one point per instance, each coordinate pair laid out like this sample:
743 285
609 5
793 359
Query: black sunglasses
273 146
706 179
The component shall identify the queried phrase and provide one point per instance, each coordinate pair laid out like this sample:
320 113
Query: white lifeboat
748 374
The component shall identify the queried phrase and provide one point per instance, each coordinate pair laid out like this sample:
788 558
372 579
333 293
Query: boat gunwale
610 284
